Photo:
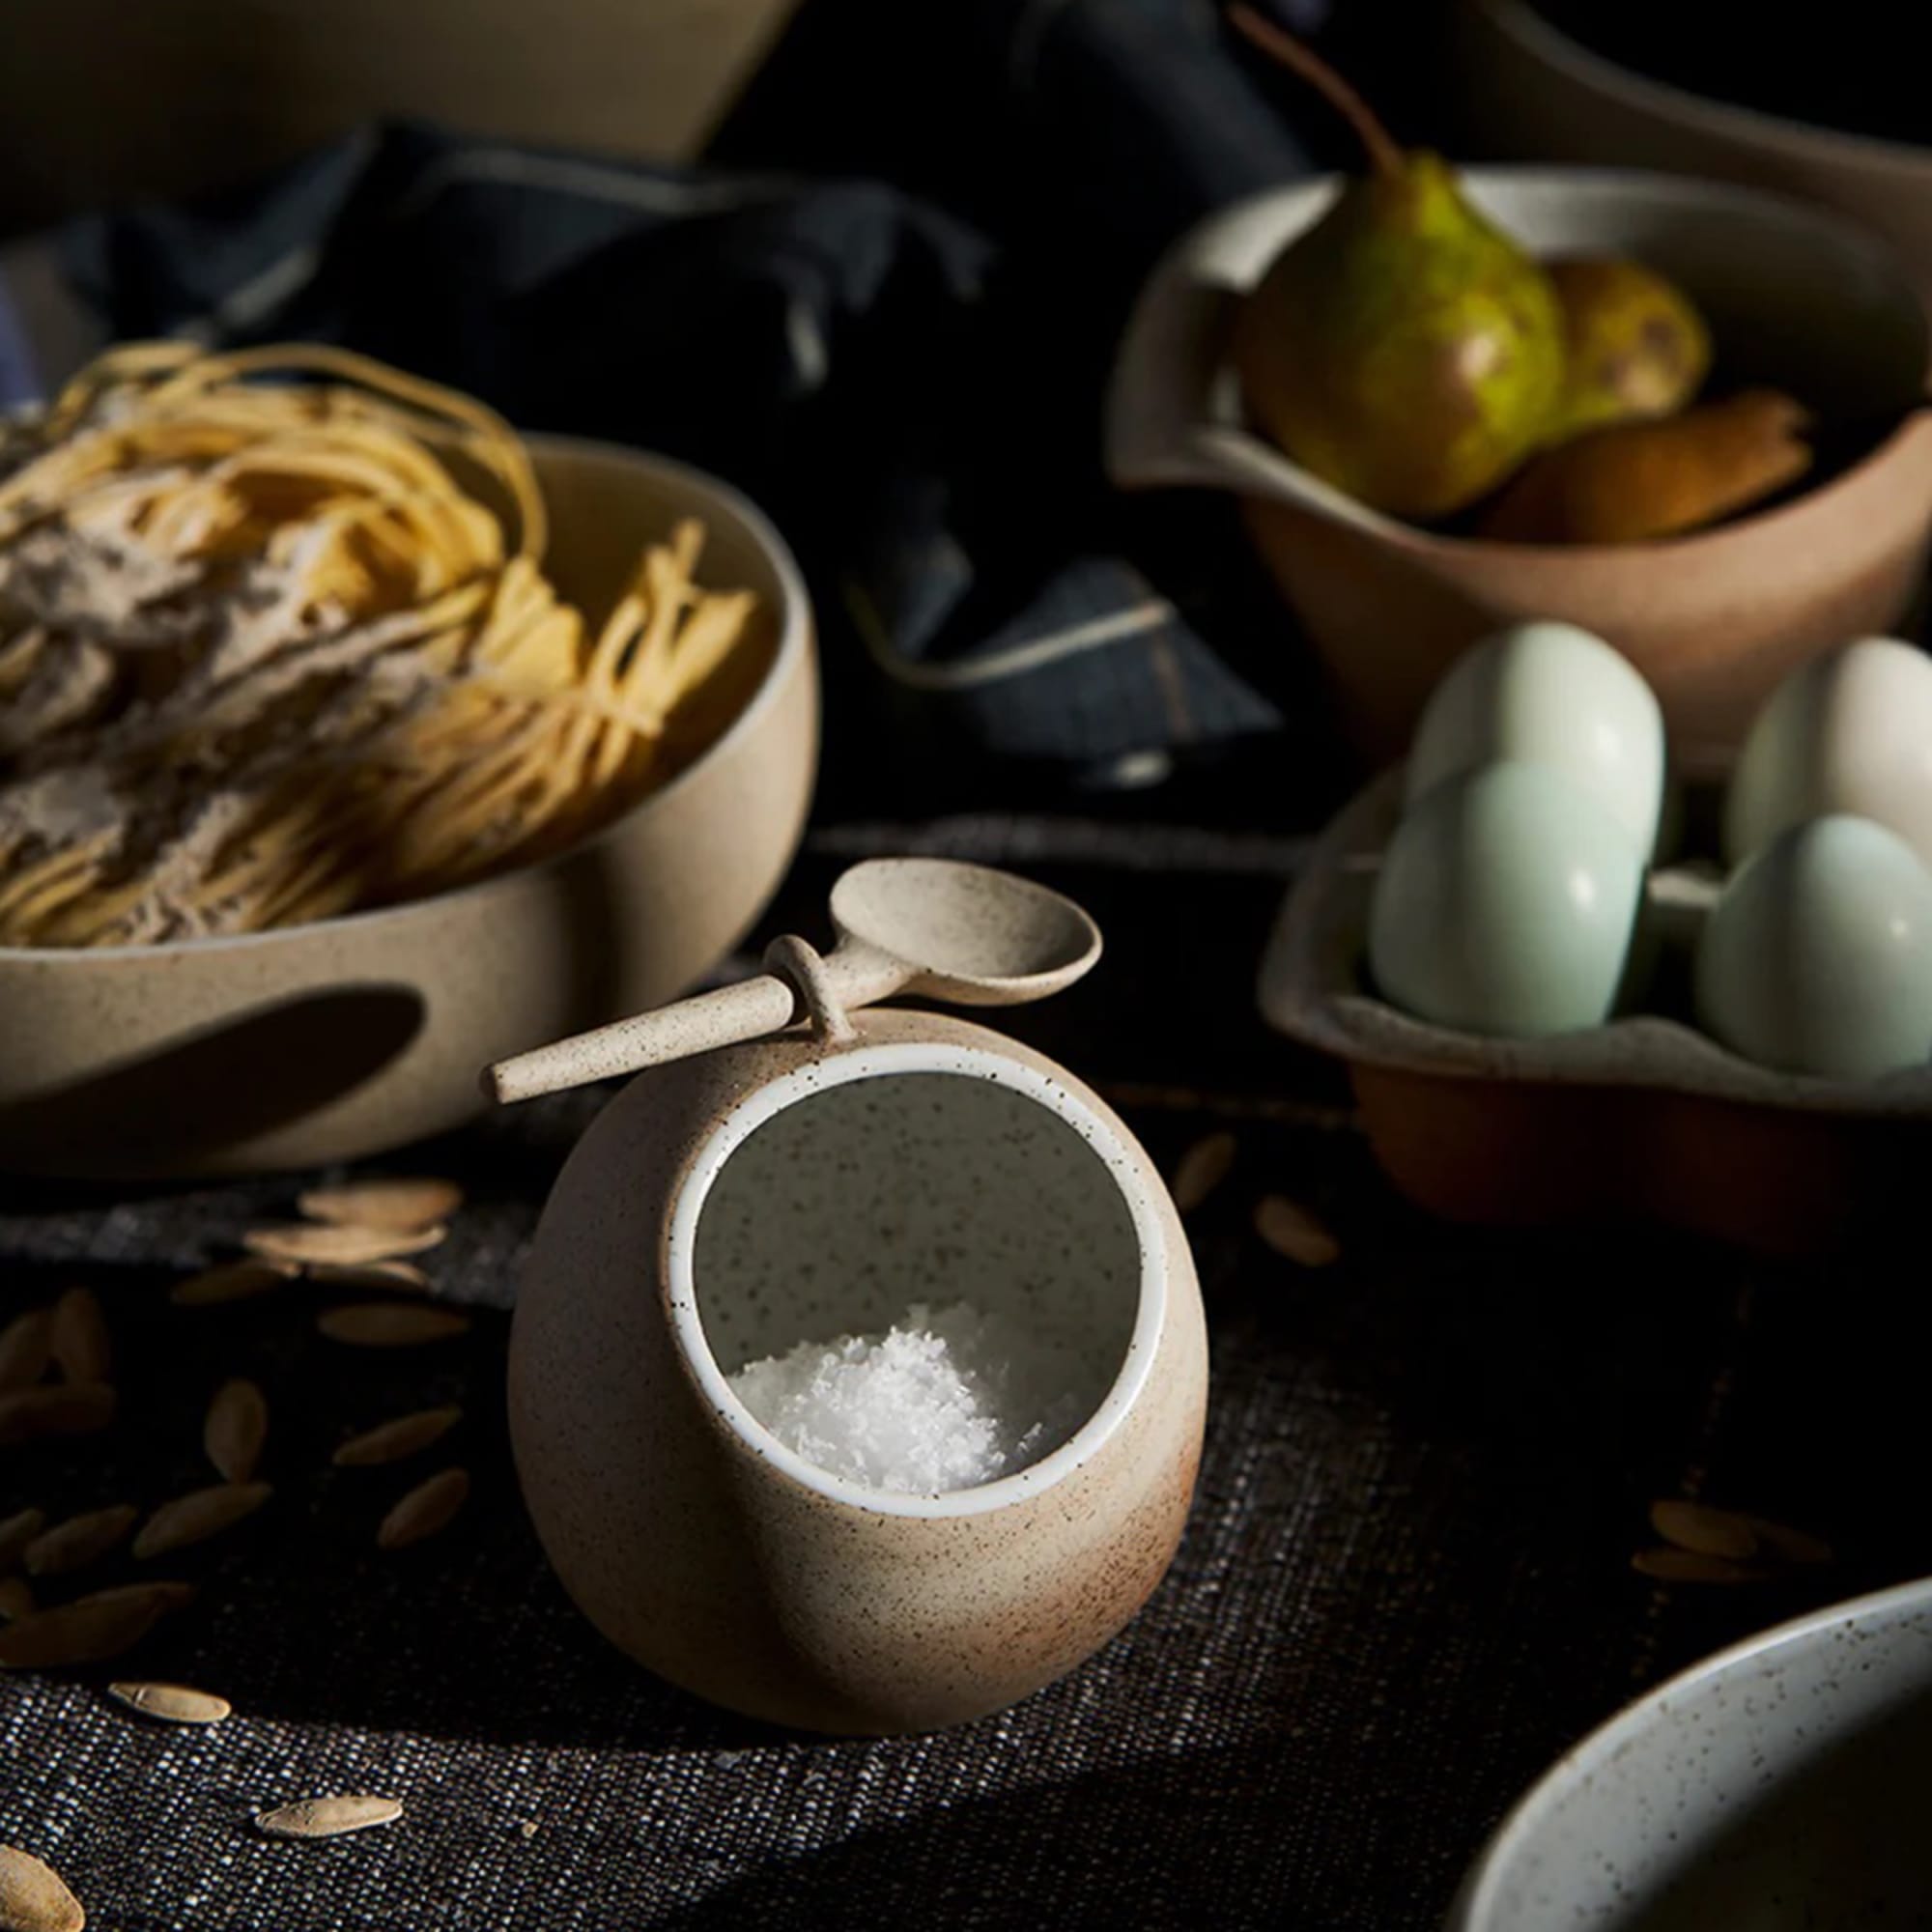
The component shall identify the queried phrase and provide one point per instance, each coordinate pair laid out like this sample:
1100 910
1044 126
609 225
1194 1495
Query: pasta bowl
340 1038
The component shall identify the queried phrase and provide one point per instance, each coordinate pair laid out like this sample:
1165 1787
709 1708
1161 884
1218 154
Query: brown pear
1639 480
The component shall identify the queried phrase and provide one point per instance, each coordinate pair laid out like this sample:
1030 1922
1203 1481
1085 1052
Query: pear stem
1384 155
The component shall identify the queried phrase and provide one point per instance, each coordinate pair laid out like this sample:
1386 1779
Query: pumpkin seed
1788 1545
392 1442
88 1631
26 1344
80 1540
171 1703
390 1324
80 1342
428 1508
166 1595
1293 1232
231 1281
34 1898
73 1408
199 1515
236 1429
1669 1565
383 1203
327 1817
305 1241
15 1533
1202 1168
1697 1527
397 1277
16 1599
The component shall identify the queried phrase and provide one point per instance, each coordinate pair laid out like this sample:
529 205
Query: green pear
1634 345
1402 348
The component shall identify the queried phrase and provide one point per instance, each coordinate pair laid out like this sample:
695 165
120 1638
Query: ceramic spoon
966 934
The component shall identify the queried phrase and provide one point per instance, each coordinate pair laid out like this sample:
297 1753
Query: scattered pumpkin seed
16 1532
236 1429
428 1508
1202 1168
34 1898
73 1409
167 1596
1697 1527
304 1242
231 1281
197 1516
327 1817
390 1324
396 1277
1669 1565
1788 1545
80 1540
383 1203
172 1703
16 1599
88 1631
26 1344
80 1342
392 1442
1291 1231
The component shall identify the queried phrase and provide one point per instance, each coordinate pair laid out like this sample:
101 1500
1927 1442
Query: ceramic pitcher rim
1110 1145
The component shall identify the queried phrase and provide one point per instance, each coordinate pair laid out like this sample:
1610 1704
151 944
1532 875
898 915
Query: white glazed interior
840 1193
1776 1786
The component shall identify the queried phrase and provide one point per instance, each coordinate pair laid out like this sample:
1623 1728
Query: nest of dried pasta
265 659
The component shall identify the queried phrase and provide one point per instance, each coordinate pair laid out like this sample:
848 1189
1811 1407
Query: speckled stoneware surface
1776 1787
1796 297
1644 1118
334 1041
1312 987
734 1204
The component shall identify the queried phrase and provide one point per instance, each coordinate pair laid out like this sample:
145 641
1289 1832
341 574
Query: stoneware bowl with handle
1796 297
337 1039
812 1184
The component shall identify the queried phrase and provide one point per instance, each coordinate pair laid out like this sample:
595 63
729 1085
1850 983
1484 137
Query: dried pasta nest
265 658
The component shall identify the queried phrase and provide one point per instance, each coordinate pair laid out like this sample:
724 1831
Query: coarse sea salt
945 1399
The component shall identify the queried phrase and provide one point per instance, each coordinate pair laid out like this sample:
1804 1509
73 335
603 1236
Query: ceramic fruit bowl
806 1185
1796 297
1777 1785
333 1041
1642 1118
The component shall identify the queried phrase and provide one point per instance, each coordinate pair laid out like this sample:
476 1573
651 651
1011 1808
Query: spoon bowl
969 935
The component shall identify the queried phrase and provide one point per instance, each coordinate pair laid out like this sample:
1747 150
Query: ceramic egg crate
1571 984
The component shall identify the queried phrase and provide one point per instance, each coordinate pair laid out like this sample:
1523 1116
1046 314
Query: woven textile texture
1404 1586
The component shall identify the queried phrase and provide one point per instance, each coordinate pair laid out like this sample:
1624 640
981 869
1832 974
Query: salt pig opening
812 1184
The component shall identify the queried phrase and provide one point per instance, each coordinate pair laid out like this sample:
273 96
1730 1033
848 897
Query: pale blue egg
1506 903
1554 696
1818 956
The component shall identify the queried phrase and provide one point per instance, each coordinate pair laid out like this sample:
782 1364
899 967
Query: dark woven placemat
1404 1586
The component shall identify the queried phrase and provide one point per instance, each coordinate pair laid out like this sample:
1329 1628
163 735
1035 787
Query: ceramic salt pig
812 1182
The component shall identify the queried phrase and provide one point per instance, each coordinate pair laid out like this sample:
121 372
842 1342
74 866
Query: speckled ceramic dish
333 1040
1646 1117
1778 1786
815 1185
1796 299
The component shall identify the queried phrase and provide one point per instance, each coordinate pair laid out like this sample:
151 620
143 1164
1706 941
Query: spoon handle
747 1011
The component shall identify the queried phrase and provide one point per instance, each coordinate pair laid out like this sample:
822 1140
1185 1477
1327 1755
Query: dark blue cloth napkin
885 308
